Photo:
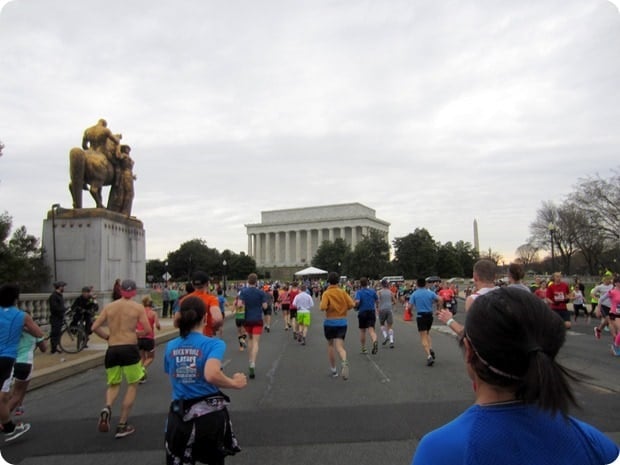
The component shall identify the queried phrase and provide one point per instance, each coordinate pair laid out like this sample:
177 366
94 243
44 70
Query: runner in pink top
146 343
614 315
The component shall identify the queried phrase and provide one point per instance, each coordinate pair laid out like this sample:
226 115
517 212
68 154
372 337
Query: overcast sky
431 112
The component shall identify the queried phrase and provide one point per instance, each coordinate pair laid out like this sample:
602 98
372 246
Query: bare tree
492 255
527 254
599 200
553 230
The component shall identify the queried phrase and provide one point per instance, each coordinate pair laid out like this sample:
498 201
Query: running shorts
367 319
22 371
286 307
424 321
564 314
293 313
123 360
604 310
6 368
386 316
146 343
304 318
334 332
255 328
239 322
268 310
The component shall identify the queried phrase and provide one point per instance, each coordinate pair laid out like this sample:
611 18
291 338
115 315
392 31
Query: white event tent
311 271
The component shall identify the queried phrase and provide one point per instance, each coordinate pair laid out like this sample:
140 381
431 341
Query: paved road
293 412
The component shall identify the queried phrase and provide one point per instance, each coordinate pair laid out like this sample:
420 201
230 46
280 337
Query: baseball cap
86 289
199 278
128 288
58 284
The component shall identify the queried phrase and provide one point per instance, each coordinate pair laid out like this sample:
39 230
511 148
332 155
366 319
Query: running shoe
334 373
391 345
303 341
385 341
615 350
432 353
429 361
252 373
124 430
20 429
104 420
344 371
19 411
375 347
597 332
364 350
267 328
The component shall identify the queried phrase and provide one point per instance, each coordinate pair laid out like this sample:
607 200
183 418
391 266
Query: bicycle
73 338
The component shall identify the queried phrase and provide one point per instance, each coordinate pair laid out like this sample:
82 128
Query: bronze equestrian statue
102 161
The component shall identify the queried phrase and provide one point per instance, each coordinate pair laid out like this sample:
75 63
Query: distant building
288 238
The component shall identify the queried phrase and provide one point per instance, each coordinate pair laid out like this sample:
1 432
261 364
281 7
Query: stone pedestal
93 247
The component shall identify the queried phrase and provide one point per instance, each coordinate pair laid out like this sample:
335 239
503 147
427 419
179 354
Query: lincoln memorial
289 238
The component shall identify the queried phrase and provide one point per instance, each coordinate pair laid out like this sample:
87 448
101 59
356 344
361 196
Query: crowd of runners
194 364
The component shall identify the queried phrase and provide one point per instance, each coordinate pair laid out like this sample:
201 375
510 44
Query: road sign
166 276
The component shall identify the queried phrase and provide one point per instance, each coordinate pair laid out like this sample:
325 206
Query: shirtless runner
122 357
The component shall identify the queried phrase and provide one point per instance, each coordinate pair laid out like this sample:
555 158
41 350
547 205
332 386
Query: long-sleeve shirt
335 302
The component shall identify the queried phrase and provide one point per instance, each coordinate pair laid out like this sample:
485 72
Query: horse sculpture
91 171
111 165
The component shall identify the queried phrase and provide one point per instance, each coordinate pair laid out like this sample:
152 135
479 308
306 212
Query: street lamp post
552 229
54 208
224 263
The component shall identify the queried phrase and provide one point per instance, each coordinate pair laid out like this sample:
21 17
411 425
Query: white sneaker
20 429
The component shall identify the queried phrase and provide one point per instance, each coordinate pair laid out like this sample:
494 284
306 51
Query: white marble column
258 249
250 248
353 236
331 235
268 248
319 237
287 248
297 246
308 246
277 245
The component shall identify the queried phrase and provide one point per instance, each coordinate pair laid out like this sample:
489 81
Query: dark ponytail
192 313
516 338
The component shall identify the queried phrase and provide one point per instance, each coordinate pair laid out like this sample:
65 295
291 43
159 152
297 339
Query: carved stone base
93 247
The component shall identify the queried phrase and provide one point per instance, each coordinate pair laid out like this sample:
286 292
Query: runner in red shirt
557 297
447 296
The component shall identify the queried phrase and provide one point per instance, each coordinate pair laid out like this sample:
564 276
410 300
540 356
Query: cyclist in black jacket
84 308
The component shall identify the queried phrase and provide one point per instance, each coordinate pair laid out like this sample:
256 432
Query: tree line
581 233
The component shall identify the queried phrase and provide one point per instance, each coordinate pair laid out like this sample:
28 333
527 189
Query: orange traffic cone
407 316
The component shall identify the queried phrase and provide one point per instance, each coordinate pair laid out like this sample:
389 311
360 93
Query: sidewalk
49 368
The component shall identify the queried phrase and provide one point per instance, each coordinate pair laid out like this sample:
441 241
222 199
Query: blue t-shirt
222 301
185 362
367 298
11 326
514 435
253 299
422 300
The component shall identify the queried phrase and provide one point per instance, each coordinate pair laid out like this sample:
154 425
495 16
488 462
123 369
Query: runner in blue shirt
366 305
422 301
520 416
198 426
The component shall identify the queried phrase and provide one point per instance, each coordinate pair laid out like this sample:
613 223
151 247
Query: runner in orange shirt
213 318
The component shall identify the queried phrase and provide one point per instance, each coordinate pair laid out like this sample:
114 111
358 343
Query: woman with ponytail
198 428
522 394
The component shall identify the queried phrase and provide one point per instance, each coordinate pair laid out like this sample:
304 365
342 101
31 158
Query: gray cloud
432 113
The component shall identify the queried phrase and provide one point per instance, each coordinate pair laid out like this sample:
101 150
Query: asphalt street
294 412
